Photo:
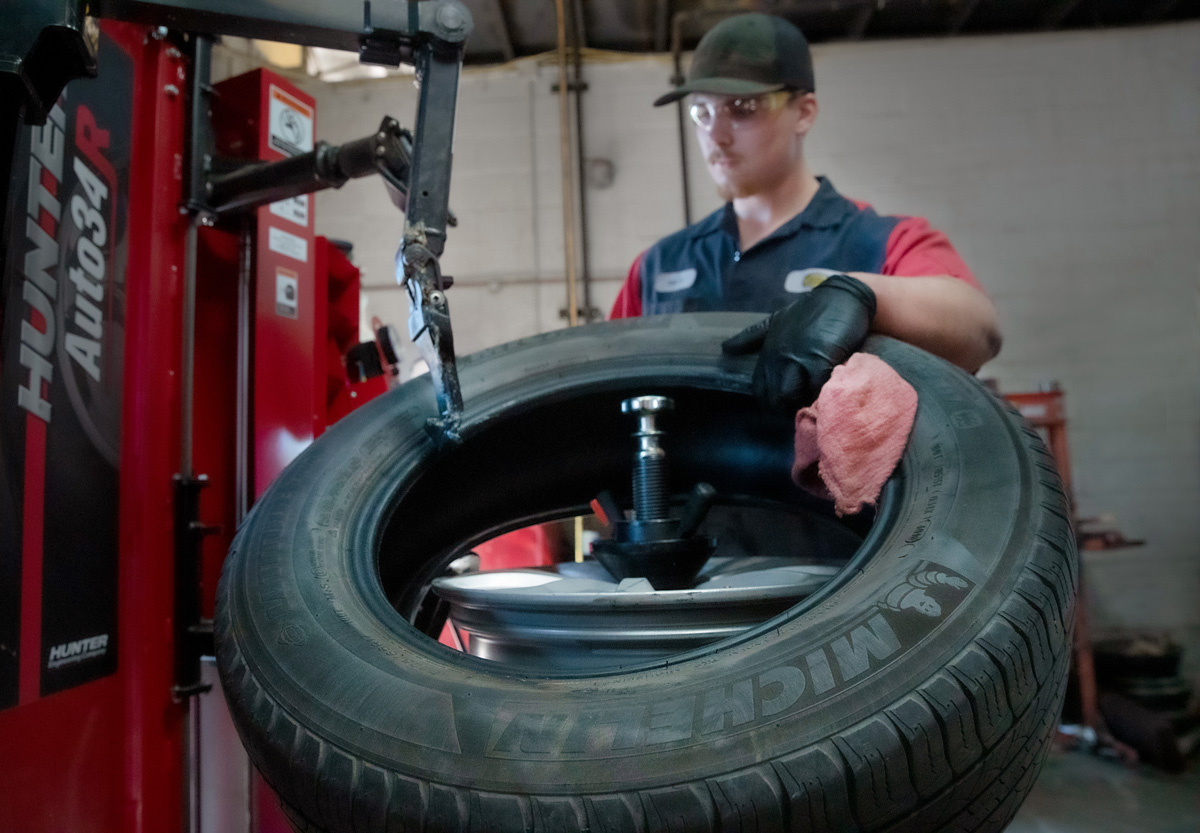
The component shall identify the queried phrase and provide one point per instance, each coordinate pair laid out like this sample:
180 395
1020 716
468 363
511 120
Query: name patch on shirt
804 280
674 281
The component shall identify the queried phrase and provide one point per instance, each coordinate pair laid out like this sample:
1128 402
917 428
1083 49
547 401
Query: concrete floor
1080 793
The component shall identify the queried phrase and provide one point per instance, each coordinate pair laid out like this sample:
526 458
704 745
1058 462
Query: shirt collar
827 209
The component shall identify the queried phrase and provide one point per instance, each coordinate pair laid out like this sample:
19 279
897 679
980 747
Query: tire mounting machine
100 518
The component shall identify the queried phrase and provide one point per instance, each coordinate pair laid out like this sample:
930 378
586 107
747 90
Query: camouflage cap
748 54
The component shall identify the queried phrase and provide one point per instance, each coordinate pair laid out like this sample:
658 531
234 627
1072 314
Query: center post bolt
650 499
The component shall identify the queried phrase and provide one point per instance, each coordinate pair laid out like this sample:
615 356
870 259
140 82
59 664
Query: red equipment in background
1046 411
338 282
95 734
260 116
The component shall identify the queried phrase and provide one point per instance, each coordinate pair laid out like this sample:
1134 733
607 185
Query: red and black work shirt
702 268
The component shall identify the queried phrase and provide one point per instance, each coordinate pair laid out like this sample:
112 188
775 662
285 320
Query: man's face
750 142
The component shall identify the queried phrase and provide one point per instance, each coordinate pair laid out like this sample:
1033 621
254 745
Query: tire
871 707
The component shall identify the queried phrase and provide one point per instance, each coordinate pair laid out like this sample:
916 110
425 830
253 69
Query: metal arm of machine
246 186
425 233
381 31
45 44
387 152
48 45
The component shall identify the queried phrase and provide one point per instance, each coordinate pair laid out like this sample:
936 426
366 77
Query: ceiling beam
1159 10
858 27
579 30
1059 11
662 25
961 15
500 28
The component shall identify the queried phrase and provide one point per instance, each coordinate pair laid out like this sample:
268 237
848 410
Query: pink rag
854 434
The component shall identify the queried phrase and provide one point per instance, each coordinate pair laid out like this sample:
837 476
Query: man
830 269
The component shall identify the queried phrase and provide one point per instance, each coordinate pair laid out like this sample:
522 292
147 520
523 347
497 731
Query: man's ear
806 106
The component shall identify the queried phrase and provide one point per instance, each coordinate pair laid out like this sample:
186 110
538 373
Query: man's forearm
941 314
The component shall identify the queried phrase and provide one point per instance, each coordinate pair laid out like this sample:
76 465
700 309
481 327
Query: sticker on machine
293 208
287 293
291 124
288 245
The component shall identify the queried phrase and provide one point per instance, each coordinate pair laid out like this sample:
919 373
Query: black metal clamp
193 634
652 544
438 66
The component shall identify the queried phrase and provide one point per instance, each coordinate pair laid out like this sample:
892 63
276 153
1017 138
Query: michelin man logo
912 595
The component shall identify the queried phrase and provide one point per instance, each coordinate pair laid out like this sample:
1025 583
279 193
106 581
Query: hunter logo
77 651
40 287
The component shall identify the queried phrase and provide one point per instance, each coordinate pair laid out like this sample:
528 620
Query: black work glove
802 343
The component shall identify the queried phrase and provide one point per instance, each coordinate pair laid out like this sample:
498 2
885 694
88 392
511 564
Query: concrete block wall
1064 166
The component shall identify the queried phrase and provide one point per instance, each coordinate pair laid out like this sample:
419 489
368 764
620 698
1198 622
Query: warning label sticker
293 208
291 124
288 245
287 293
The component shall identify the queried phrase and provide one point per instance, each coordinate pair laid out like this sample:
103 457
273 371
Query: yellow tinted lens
742 109
739 111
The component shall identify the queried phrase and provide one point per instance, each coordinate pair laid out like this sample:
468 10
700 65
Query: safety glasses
740 112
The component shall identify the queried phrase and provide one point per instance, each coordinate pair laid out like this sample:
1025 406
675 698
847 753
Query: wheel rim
578 617
716 436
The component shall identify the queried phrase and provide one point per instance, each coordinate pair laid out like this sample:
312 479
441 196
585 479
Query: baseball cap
748 54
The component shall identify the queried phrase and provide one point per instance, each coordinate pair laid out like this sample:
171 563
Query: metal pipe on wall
564 142
677 78
536 237
585 272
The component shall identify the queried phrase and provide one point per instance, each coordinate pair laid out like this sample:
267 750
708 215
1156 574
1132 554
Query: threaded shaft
650 486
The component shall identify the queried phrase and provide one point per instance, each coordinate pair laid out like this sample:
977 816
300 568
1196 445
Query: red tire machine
170 322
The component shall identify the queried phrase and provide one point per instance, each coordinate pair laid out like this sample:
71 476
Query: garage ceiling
507 29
